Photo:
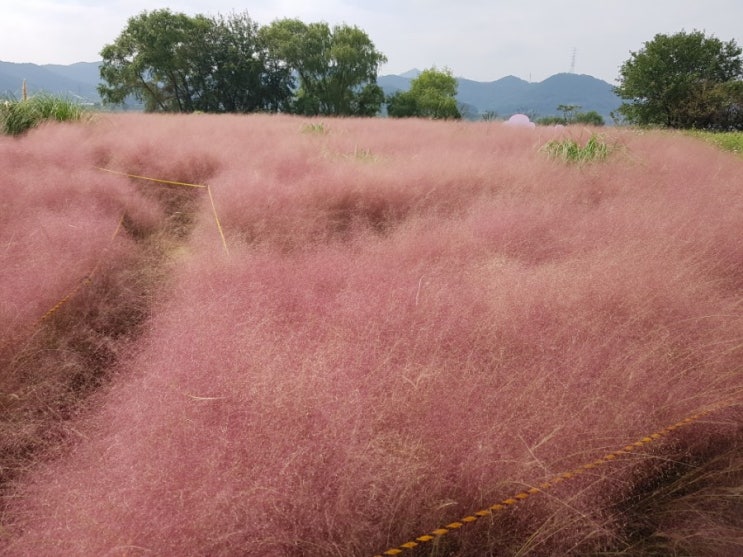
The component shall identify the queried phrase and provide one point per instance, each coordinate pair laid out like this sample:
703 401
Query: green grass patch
316 128
17 117
363 155
571 151
729 141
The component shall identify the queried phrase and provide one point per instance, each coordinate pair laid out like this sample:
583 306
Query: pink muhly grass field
416 320
67 291
60 222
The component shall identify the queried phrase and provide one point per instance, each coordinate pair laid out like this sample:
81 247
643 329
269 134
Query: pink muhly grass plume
416 321
58 218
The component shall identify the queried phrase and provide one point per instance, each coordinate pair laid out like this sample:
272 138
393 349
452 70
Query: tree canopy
682 81
337 67
173 62
431 95
571 114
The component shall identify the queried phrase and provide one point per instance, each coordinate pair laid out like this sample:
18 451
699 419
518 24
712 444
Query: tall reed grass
395 343
570 150
17 117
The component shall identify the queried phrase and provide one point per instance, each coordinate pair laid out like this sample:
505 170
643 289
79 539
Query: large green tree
683 80
431 95
336 67
239 73
151 60
173 62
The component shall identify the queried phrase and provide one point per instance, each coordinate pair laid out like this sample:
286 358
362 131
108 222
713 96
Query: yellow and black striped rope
521 496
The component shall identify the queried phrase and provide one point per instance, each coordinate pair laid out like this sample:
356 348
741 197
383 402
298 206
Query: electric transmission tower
572 62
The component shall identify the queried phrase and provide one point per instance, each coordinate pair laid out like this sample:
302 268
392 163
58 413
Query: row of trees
173 62
571 114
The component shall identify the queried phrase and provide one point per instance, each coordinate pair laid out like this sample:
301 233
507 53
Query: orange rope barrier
170 182
86 280
216 219
521 496
176 183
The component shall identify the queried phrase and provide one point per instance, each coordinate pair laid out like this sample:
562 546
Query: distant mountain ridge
78 81
505 96
510 95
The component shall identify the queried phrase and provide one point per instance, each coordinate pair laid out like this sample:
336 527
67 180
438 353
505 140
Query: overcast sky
478 39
